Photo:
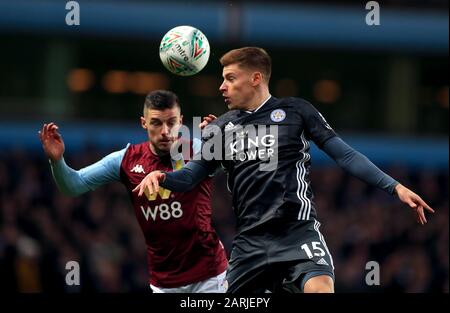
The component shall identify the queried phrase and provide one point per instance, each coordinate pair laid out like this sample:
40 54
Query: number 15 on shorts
313 249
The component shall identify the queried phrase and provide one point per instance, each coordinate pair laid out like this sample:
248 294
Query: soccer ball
184 50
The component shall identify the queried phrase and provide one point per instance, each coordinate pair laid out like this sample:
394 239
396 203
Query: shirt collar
264 102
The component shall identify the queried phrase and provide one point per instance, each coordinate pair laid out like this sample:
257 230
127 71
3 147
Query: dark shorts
279 256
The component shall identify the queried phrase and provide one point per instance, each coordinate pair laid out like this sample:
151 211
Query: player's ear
256 79
143 123
181 119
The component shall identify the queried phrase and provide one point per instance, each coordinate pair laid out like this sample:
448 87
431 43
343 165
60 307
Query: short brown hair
249 57
161 100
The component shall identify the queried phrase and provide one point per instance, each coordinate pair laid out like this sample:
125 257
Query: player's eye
172 122
229 78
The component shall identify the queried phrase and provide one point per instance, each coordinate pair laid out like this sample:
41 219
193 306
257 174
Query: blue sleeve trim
72 182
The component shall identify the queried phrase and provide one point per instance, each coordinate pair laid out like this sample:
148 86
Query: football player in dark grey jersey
265 151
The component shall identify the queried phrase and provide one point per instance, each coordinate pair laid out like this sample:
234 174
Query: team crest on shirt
278 115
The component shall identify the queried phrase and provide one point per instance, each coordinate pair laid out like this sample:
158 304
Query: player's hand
206 120
52 142
150 184
414 201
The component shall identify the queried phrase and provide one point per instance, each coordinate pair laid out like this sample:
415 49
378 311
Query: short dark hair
254 58
161 100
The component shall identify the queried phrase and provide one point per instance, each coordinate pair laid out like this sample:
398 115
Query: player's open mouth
226 100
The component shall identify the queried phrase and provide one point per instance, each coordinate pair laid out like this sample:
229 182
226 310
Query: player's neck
259 98
156 151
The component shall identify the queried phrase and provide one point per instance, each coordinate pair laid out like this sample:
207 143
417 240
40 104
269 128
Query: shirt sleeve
317 128
72 182
188 177
358 165
197 150
204 163
210 149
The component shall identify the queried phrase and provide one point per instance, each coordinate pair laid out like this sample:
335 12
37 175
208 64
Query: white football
184 50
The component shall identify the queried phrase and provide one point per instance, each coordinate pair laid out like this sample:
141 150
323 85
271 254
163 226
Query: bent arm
74 183
358 164
188 177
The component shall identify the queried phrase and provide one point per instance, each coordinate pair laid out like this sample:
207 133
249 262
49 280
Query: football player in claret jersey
278 246
184 252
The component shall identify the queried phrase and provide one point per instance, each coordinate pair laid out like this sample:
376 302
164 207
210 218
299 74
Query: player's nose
165 129
222 87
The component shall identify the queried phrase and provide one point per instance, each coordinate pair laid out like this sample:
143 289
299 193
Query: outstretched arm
179 181
360 166
74 183
70 181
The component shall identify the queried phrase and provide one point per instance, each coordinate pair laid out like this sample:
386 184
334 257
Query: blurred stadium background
383 88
